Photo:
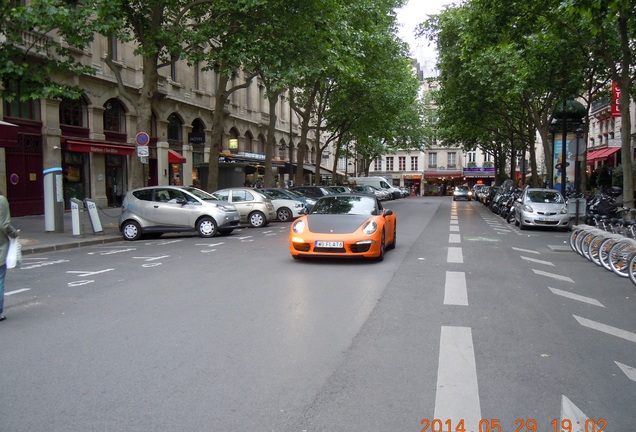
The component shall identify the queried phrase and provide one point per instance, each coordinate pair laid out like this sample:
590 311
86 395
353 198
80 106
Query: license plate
329 244
546 219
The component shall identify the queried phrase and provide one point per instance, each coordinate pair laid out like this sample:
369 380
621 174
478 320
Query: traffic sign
143 151
142 138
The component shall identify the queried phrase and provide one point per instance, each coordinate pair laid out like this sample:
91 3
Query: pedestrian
6 230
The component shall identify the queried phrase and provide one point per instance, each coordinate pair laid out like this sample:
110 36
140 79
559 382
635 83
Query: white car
286 209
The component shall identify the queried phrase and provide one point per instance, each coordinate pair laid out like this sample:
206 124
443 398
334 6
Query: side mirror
181 201
388 212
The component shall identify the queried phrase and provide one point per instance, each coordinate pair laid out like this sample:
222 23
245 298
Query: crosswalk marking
457 394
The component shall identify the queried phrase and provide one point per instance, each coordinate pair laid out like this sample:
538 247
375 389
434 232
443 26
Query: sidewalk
35 239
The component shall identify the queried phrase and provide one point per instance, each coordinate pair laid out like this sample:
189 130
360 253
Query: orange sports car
344 226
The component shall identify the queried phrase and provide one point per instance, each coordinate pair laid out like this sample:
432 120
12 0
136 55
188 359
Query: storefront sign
197 137
616 100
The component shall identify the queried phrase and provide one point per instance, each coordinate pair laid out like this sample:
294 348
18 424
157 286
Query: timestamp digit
438 423
566 425
460 426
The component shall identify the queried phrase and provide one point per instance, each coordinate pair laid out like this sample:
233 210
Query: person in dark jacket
6 231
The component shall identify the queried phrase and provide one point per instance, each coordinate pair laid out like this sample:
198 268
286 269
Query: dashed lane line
614 331
457 393
455 255
576 297
454 238
537 261
8 293
455 291
526 251
553 275
627 370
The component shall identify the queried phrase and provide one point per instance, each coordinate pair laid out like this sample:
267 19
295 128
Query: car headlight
563 210
299 205
298 226
225 208
527 208
370 227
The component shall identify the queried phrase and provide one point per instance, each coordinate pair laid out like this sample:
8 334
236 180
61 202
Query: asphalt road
468 322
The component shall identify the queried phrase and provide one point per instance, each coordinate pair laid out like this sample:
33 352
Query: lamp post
577 171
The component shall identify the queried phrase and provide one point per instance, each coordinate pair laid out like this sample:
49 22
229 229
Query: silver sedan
541 207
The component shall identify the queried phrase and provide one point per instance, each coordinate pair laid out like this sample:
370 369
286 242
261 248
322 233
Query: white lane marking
454 228
455 292
571 412
538 261
454 238
454 222
209 244
552 275
455 255
244 238
8 293
627 370
152 258
453 217
43 264
457 394
526 251
614 331
207 250
84 273
148 265
577 297
80 283
111 252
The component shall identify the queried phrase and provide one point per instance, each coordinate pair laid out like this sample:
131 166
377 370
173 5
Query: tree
33 62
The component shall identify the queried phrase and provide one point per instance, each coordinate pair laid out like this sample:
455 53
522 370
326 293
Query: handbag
14 253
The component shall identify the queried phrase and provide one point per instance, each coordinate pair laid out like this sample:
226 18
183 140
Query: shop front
94 170
479 175
441 182
413 182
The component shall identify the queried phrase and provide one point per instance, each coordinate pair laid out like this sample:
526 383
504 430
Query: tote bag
14 254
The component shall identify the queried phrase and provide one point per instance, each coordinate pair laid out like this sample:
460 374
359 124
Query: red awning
97 147
175 158
601 154
8 134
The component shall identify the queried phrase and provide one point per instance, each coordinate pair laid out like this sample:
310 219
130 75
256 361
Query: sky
416 12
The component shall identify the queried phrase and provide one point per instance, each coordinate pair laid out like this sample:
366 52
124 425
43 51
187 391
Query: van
377 182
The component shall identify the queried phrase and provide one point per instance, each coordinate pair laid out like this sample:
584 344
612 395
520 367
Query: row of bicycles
609 242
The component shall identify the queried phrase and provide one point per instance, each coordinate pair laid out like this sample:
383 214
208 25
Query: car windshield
462 188
545 197
201 194
345 205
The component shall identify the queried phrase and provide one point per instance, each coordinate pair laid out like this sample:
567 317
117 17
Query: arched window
175 130
74 112
114 116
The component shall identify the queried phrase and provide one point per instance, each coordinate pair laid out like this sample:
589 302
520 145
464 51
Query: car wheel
380 256
522 226
131 231
517 219
284 214
225 232
206 226
394 242
257 219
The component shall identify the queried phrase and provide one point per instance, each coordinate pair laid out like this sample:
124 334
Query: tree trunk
218 127
271 139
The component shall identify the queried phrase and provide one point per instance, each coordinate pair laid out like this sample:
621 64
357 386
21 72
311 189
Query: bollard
76 215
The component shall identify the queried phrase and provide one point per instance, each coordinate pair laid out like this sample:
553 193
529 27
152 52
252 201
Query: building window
487 157
197 78
112 47
472 156
414 163
452 160
174 128
114 116
173 70
18 108
389 163
402 163
432 160
377 165
73 112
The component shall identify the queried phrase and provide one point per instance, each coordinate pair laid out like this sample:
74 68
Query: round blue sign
142 138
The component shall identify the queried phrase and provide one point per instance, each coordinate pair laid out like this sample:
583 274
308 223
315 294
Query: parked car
541 207
338 189
462 192
377 182
155 210
286 209
381 194
311 191
341 226
255 208
290 194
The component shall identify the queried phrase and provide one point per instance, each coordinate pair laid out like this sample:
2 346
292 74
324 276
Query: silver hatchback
154 210
541 207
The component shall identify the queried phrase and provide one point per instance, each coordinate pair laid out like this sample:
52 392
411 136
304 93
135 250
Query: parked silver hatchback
154 210
255 209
